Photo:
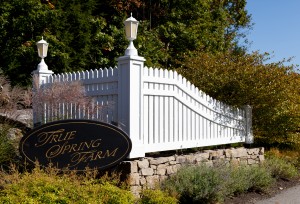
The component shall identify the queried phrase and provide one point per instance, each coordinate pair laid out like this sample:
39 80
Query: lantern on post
131 27
42 47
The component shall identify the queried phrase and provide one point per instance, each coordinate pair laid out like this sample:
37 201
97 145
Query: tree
89 34
77 39
246 80
186 26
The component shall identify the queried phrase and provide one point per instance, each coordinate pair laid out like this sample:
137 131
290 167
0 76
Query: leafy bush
48 187
203 184
259 177
247 79
279 168
156 197
195 184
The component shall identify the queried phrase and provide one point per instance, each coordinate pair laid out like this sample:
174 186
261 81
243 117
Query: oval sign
76 145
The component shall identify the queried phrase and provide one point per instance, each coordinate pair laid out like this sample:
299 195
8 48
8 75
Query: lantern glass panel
42 50
134 30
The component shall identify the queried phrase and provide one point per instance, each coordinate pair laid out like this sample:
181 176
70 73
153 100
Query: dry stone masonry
148 172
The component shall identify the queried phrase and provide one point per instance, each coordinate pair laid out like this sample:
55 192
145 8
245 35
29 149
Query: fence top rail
170 77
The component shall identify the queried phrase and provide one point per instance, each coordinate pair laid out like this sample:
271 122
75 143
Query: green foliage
48 187
211 26
246 79
280 168
78 39
156 197
88 34
203 184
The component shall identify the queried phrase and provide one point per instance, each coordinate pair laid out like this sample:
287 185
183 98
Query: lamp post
42 47
130 83
131 27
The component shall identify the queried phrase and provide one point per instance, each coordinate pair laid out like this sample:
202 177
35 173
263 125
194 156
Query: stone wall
148 172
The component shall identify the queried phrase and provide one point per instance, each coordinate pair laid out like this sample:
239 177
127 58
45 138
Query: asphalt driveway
288 196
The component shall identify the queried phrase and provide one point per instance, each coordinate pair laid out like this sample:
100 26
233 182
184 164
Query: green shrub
195 184
49 187
239 180
260 178
203 184
280 168
156 197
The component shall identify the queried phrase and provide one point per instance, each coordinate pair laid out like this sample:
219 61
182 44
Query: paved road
288 196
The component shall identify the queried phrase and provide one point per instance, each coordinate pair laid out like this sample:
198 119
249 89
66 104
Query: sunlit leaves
271 89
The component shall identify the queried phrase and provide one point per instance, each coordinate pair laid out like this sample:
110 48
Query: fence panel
100 84
178 115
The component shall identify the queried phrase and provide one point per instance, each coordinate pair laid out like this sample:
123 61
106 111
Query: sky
276 28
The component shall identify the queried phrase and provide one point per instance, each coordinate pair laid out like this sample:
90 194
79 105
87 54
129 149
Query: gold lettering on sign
79 157
57 150
54 137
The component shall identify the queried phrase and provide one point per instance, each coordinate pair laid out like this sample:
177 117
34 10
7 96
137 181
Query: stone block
173 162
161 166
202 157
134 179
152 181
261 158
220 152
181 159
159 160
253 151
171 158
161 172
228 153
191 159
170 170
153 167
133 167
147 172
143 181
239 152
253 156
143 164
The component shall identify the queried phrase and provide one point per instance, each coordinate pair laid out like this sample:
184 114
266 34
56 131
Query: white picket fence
159 109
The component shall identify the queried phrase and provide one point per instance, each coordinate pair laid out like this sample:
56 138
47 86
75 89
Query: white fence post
249 139
130 100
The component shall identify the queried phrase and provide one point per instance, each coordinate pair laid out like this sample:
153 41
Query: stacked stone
148 172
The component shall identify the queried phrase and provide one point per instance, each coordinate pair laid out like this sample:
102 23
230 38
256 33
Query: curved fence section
178 115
